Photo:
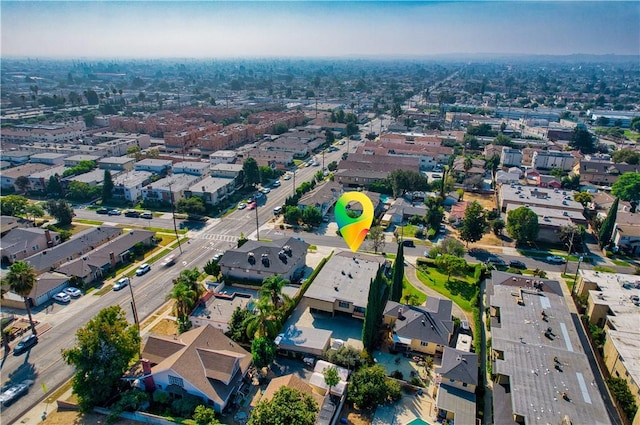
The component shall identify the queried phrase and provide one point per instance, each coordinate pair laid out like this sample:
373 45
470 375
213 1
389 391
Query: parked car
15 392
286 177
114 212
242 206
146 215
409 243
218 256
102 211
277 210
144 268
252 205
517 264
276 183
496 261
132 213
62 297
556 259
26 343
72 292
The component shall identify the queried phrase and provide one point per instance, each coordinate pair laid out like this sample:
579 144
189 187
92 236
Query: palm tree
185 299
265 323
190 278
272 289
21 279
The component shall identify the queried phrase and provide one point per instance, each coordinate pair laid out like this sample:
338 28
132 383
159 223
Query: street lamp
575 279
257 223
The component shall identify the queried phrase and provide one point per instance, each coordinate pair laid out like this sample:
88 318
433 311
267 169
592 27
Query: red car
252 205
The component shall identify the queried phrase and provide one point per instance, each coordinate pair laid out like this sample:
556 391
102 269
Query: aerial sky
210 29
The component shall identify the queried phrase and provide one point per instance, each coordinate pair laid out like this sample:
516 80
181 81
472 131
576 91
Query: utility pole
294 180
257 224
134 310
173 213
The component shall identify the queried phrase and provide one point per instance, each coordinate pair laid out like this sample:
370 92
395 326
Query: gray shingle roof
459 366
277 264
430 324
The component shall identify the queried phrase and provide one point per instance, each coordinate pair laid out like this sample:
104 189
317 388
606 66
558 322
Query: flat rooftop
535 196
527 356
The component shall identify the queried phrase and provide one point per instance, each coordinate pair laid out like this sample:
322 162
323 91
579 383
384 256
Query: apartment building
72 161
49 158
601 171
169 189
549 160
129 185
116 163
211 190
510 157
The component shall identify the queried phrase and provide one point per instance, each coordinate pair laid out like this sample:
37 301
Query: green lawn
92 222
462 290
408 289
621 263
632 135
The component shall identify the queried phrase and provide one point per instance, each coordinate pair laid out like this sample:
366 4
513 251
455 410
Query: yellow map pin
354 230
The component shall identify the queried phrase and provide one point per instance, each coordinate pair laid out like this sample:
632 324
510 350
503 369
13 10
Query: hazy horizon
309 29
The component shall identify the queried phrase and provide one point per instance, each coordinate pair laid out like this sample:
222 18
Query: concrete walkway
411 274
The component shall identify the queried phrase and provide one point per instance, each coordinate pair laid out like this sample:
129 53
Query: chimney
400 313
112 258
47 234
149 383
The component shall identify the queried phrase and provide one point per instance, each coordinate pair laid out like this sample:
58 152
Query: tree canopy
370 387
627 187
522 225
626 155
473 223
13 204
287 407
61 210
263 351
448 246
609 223
193 206
107 186
104 350
398 275
376 238
251 172
582 140
21 279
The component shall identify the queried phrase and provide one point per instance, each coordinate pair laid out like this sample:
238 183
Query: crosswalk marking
217 237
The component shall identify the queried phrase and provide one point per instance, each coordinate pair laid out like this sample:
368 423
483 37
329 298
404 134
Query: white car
72 292
276 183
62 297
287 177
121 284
15 392
242 206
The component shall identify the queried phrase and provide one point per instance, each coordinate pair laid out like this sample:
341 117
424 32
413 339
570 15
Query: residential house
72 161
457 377
170 189
256 260
156 166
129 185
428 155
47 285
342 286
93 264
78 245
456 215
212 190
8 223
49 158
38 181
363 169
191 168
549 181
613 301
201 362
402 210
222 157
10 176
117 163
510 157
601 171
15 157
505 177
549 160
425 330
290 381
229 171
22 242
626 234
477 167
93 178
322 197
542 373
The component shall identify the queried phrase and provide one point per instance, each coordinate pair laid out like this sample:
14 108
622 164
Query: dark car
408 243
25 344
517 264
102 211
135 214
497 262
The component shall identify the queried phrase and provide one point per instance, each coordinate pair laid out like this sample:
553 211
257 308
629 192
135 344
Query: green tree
451 265
378 296
22 184
13 205
288 406
522 225
571 182
272 289
265 322
582 140
81 191
21 279
104 350
54 187
192 206
332 166
204 415
448 246
312 215
61 210
242 240
583 197
497 226
212 268
329 137
292 215
609 223
623 395
331 377
107 187
473 223
263 351
434 214
251 172
237 329
627 188
184 301
572 236
346 356
135 152
626 155
370 387
377 238
406 180
398 275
